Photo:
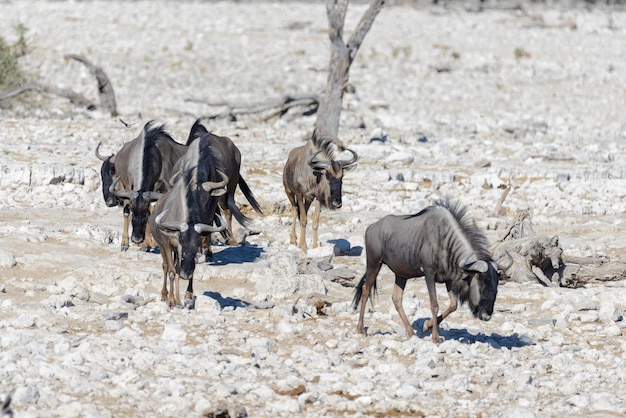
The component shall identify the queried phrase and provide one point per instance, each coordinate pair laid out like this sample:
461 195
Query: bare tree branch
341 57
279 106
327 105
75 98
364 25
105 88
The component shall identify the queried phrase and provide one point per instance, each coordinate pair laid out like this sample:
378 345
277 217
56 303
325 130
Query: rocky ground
448 102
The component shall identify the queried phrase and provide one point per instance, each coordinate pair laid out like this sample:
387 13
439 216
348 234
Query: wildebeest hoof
124 248
189 304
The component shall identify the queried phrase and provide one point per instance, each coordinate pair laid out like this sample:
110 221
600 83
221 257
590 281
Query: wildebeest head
139 205
107 173
329 175
188 235
481 285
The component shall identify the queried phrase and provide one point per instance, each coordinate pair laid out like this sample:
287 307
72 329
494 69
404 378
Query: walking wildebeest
306 180
122 175
231 157
185 213
441 244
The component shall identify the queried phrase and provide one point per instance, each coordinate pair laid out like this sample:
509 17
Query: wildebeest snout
484 316
336 203
111 201
136 239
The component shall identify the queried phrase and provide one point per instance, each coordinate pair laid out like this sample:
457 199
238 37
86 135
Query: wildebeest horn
318 165
204 228
124 194
171 226
173 177
348 163
100 156
212 185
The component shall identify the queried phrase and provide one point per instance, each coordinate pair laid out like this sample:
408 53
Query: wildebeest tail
358 292
248 194
234 209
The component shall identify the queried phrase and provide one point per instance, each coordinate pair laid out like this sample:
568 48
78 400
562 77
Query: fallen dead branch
538 258
276 107
105 90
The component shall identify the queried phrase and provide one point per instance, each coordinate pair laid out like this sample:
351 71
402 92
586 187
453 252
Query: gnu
441 244
307 178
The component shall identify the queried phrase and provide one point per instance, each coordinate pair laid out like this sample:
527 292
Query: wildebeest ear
350 167
479 266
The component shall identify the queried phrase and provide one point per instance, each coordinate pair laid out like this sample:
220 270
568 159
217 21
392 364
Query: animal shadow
226 301
462 335
345 248
245 253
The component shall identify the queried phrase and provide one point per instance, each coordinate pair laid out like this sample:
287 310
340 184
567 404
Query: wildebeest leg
294 218
189 301
149 242
396 297
451 308
164 288
367 282
434 305
303 205
126 211
172 300
206 247
228 216
168 268
315 221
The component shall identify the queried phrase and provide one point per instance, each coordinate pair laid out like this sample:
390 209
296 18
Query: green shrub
10 72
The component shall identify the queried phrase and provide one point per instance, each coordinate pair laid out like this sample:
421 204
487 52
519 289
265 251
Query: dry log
105 89
75 98
277 107
520 228
498 210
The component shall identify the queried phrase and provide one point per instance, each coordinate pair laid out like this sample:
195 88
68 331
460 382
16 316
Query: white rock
24 320
174 332
7 260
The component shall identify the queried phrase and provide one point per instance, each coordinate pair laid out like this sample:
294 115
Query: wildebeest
439 243
231 157
185 213
134 168
307 179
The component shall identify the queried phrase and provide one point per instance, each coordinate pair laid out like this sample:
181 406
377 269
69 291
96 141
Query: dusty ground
469 103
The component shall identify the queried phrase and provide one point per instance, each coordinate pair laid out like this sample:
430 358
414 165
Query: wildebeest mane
197 130
151 155
152 130
474 235
325 143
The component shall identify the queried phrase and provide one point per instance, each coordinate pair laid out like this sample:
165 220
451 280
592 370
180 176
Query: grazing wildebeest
185 213
441 244
136 165
307 179
231 157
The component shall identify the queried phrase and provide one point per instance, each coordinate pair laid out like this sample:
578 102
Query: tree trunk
341 57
